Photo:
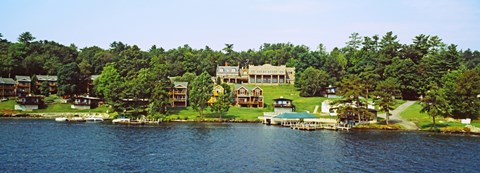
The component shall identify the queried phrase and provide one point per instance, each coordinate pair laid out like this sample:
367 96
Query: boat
121 121
76 118
61 119
94 119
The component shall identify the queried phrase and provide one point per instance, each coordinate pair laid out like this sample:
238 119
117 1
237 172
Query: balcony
23 85
179 99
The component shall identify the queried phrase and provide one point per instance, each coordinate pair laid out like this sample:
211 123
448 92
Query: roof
238 86
227 69
185 84
23 78
295 115
46 78
281 98
94 77
267 69
8 81
88 97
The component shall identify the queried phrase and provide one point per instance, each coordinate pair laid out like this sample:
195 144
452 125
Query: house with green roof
246 96
23 85
51 80
7 87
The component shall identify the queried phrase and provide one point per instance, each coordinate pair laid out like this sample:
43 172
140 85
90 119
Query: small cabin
85 102
29 103
283 105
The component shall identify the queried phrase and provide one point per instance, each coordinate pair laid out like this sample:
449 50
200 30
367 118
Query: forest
365 61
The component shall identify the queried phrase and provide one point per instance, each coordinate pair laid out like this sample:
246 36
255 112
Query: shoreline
52 116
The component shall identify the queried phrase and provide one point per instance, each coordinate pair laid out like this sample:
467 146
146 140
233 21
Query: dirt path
396 119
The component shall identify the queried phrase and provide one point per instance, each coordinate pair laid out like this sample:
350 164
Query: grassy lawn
424 121
8 106
269 93
302 104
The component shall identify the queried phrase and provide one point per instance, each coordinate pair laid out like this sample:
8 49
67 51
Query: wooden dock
315 126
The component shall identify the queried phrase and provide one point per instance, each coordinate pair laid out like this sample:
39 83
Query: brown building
28 103
22 85
179 94
248 97
85 102
51 80
7 87
272 75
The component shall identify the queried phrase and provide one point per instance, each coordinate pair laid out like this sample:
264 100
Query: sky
245 23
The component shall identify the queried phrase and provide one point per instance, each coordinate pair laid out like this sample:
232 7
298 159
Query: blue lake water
49 146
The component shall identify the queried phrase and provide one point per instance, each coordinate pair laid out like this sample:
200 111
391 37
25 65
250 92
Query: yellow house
217 90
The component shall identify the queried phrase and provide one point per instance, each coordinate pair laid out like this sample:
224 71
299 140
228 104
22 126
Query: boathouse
281 105
85 102
29 103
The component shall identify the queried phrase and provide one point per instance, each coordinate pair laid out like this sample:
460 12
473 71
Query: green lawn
269 92
424 121
53 107
7 105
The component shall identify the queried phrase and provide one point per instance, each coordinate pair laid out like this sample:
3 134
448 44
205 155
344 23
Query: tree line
415 67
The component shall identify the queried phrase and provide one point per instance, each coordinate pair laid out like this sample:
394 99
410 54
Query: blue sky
245 23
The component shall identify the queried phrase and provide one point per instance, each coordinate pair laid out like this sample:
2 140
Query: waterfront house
179 94
281 105
51 80
85 102
232 74
22 85
7 87
29 102
349 109
248 97
217 90
272 75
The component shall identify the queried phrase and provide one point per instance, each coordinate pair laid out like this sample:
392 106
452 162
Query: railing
283 105
23 85
179 99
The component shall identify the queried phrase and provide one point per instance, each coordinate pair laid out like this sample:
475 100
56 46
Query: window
220 70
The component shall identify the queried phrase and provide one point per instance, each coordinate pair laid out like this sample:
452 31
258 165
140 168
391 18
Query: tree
312 81
351 89
160 98
222 104
467 91
26 38
109 86
68 80
435 104
201 92
44 89
386 91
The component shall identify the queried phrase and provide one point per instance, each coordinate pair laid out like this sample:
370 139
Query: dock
310 126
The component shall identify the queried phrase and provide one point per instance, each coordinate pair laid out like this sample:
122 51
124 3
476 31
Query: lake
49 146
